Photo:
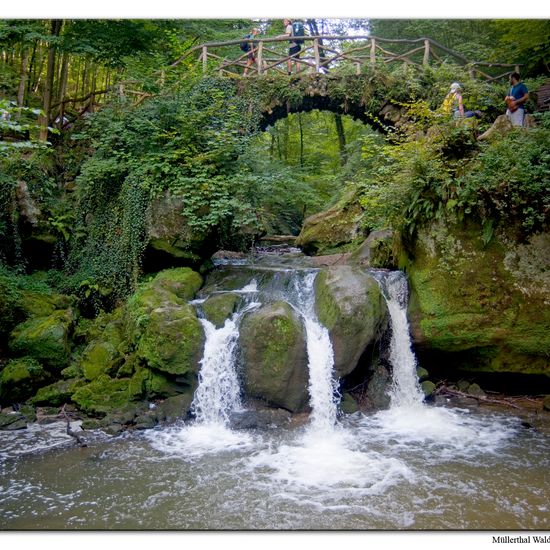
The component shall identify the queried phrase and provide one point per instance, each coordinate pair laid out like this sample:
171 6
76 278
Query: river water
413 466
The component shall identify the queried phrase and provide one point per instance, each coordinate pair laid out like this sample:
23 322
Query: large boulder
163 327
274 354
350 305
219 307
171 240
44 338
103 395
328 231
485 304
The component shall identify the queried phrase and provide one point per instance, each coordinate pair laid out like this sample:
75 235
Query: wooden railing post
426 59
372 52
317 56
204 59
259 57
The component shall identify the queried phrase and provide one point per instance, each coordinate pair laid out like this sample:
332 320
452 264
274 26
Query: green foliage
447 173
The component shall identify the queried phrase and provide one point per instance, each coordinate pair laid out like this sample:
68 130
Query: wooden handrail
428 43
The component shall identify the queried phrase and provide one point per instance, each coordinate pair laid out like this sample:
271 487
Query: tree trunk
301 140
48 88
23 77
341 138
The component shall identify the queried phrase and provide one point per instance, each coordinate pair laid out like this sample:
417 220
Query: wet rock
174 408
322 233
113 429
475 389
44 338
273 345
376 251
19 424
20 379
145 422
350 305
428 388
219 307
377 388
260 419
348 405
9 419
161 324
546 403
422 374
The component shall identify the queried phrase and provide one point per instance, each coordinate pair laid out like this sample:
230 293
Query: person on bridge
295 47
516 99
251 55
453 104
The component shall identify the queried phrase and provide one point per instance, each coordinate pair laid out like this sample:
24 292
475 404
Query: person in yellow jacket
453 104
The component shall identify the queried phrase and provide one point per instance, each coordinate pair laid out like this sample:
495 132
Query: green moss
103 395
465 297
41 304
146 383
219 307
56 394
162 326
20 379
44 338
172 340
183 282
162 245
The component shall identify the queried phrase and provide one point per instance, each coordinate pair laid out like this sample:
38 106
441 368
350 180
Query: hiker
292 30
249 47
453 104
516 99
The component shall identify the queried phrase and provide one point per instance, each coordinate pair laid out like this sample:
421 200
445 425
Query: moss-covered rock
489 300
219 307
348 405
350 305
428 387
327 231
162 326
146 383
20 379
274 354
174 408
56 394
103 395
376 251
44 338
42 304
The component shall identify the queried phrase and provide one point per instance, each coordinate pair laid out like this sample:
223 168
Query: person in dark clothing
251 55
295 47
516 99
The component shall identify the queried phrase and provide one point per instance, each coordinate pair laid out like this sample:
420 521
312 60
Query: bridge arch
350 95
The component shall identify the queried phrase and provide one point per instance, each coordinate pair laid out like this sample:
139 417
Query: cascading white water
405 390
322 383
218 391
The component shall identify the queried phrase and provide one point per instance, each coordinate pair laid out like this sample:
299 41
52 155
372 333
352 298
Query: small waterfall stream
218 393
413 466
405 390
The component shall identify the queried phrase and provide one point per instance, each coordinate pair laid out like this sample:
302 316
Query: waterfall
322 387
405 390
218 391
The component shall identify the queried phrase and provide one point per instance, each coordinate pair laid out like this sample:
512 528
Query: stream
414 466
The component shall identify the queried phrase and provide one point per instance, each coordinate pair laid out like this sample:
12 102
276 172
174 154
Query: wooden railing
321 54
